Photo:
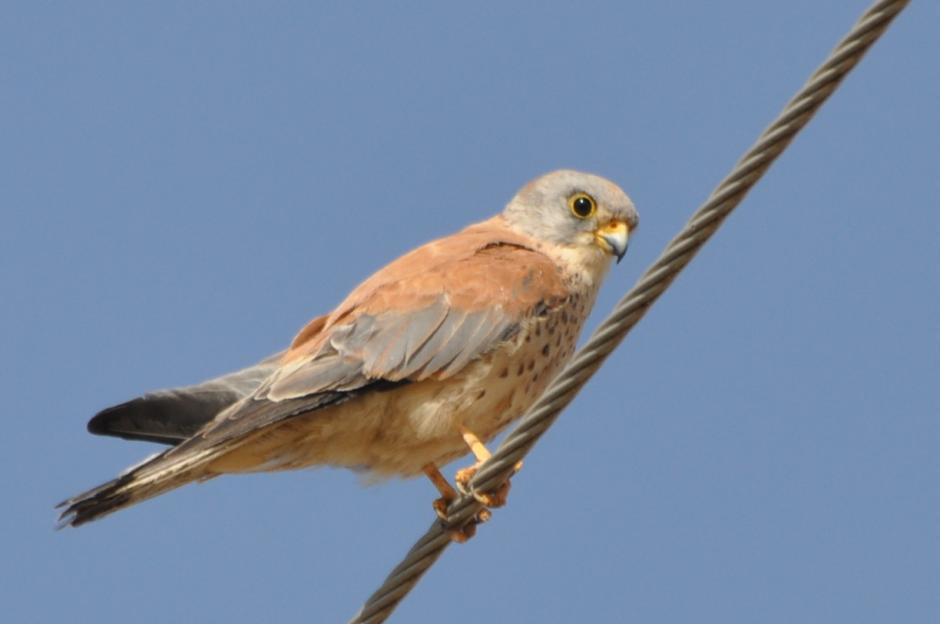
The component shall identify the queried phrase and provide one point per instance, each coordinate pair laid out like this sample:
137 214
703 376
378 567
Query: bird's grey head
576 210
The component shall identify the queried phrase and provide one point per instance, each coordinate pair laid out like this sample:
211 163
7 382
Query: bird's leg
448 494
496 498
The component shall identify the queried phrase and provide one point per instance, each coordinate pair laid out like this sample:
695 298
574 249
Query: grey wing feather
473 333
254 414
445 345
171 416
394 347
402 335
327 373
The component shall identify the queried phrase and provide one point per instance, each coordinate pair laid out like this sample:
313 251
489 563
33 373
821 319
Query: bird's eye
582 205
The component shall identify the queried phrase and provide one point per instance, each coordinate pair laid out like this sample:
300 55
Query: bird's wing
170 416
426 315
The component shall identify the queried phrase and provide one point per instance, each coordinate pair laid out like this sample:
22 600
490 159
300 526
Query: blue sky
182 186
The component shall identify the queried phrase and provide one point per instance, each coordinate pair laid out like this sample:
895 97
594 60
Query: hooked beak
613 238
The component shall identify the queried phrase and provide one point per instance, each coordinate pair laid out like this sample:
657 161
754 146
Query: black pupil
582 206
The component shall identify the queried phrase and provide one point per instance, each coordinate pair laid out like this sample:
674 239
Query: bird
426 360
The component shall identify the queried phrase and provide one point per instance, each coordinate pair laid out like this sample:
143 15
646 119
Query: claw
440 505
496 498
468 530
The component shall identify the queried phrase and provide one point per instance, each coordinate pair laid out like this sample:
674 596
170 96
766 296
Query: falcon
425 360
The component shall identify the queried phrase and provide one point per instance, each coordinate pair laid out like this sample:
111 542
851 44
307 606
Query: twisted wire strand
634 305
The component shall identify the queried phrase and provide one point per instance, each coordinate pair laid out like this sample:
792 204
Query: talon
484 515
440 507
464 533
496 498
463 476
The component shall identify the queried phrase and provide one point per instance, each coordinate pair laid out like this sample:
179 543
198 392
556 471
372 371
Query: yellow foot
468 530
448 494
496 498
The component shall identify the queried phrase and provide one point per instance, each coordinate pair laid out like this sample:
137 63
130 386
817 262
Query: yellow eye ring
582 205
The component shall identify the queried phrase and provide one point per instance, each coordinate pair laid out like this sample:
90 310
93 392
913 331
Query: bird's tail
157 475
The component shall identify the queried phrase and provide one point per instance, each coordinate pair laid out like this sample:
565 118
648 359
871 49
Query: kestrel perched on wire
428 358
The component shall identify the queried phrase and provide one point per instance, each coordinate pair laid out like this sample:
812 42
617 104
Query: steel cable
631 308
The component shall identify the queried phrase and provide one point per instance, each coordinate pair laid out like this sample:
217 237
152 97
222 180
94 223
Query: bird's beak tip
614 239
